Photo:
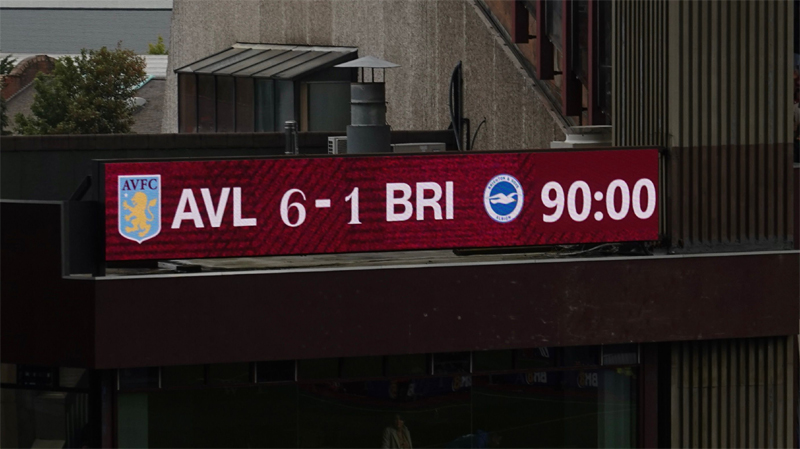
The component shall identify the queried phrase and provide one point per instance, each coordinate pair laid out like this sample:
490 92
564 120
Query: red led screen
257 207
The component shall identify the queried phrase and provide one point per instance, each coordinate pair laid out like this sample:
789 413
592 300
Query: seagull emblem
503 198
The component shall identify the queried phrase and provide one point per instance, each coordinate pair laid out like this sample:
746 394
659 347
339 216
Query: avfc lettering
140 183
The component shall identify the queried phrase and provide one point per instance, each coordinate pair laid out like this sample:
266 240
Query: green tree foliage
6 65
89 94
158 48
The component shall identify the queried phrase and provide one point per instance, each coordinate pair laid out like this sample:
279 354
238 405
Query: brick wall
24 73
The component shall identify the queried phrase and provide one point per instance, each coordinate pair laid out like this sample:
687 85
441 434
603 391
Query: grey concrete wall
427 38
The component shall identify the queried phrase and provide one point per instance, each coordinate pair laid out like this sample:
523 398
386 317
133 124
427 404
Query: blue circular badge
503 198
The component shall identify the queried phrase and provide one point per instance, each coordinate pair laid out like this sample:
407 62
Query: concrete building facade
427 39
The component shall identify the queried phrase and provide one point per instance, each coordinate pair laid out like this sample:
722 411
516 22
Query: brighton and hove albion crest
139 207
503 198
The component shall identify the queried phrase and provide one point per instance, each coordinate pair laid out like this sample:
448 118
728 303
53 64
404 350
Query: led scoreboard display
280 206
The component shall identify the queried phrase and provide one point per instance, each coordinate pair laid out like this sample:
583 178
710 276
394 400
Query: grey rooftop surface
156 64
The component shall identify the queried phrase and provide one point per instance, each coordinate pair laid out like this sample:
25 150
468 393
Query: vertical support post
571 101
593 71
99 172
648 422
544 48
519 26
102 408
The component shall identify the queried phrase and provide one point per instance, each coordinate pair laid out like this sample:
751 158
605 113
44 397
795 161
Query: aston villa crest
139 207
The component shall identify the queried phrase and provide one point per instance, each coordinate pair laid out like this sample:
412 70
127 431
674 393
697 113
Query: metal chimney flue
368 131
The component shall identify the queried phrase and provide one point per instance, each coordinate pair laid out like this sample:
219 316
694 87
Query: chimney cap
369 62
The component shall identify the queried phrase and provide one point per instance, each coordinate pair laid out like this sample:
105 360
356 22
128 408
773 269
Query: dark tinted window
554 24
285 103
404 365
279 371
362 367
264 105
183 376
187 103
451 363
206 107
245 120
226 99
318 369
229 373
492 360
136 378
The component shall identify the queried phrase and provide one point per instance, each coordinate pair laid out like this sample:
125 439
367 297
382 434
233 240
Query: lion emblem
140 215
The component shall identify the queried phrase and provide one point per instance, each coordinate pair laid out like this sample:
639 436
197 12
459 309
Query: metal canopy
270 61
369 62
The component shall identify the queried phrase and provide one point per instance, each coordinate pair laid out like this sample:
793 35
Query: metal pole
290 131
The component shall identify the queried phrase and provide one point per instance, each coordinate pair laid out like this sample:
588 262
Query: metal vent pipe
368 132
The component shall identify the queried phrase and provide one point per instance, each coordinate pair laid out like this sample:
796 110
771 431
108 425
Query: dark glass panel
206 108
245 96
451 363
621 354
580 356
318 369
187 103
215 417
577 408
521 409
492 360
136 378
536 358
8 373
434 410
36 376
183 376
554 25
226 109
229 373
285 103
405 365
362 367
604 58
280 371
41 418
73 377
580 39
264 105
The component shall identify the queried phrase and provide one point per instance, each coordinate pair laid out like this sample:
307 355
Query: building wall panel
733 393
721 102
427 39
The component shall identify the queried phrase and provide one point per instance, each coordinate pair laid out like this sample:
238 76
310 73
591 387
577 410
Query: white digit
626 199
353 206
587 201
557 203
285 206
637 198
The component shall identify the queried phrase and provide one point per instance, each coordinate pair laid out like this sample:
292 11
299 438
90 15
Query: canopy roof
369 62
270 61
